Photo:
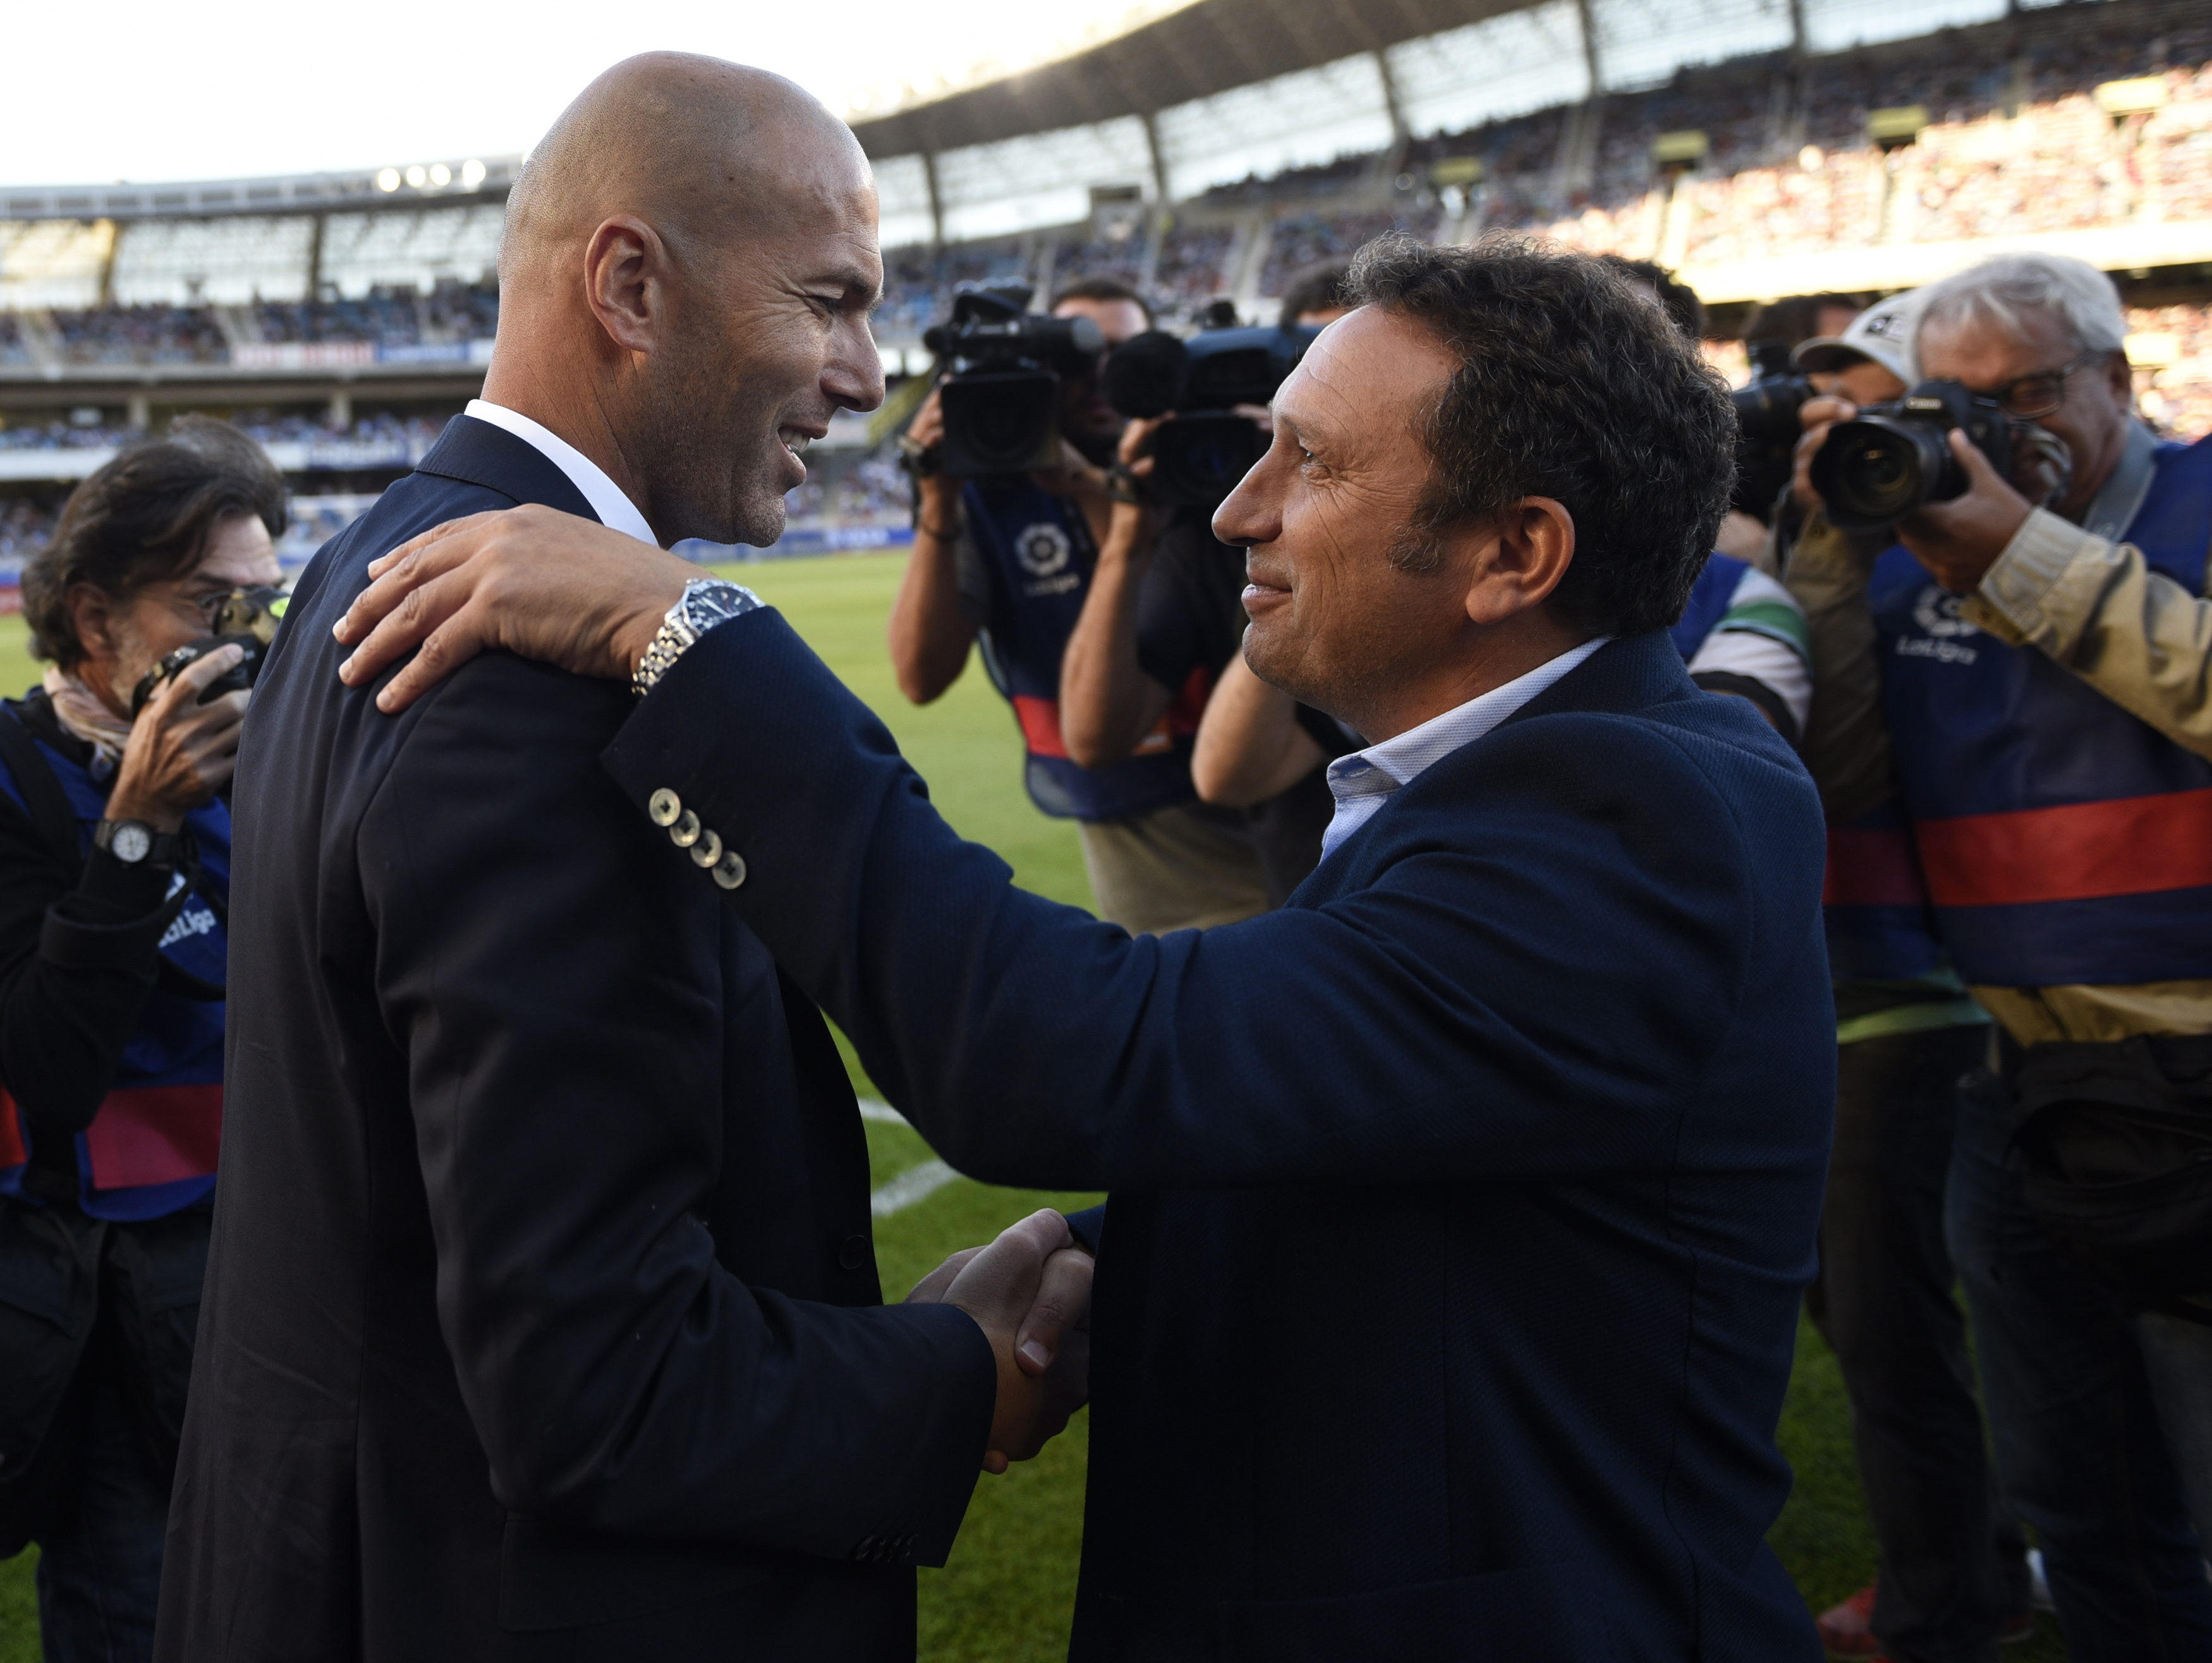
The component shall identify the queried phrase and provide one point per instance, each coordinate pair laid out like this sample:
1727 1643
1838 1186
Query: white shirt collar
606 498
1363 782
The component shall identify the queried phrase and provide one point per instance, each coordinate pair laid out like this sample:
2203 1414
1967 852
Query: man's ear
626 279
92 618
1528 550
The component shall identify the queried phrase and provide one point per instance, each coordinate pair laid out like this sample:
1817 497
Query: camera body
1199 456
245 618
1893 458
1767 431
1001 397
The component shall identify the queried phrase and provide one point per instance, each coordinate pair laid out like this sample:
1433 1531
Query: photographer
115 868
2029 685
1012 560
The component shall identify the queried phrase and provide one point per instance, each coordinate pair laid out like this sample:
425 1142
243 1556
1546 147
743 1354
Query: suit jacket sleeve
1587 954
539 971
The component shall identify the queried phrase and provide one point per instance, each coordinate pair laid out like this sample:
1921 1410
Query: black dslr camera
1766 434
1199 456
245 618
1001 397
1894 458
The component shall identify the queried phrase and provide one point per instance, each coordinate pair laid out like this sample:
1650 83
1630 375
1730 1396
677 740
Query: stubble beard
709 478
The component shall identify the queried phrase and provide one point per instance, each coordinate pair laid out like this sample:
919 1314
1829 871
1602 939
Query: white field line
908 1188
917 1184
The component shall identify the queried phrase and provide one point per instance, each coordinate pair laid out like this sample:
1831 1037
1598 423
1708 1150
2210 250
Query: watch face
132 843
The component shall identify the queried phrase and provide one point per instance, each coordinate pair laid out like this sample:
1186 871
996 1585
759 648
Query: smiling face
1334 620
770 339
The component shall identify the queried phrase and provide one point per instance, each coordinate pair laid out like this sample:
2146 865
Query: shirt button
708 850
685 832
730 870
853 1253
664 805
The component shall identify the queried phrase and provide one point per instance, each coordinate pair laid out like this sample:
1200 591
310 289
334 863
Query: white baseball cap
1883 332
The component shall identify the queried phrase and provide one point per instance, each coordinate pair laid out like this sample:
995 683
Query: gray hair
2081 298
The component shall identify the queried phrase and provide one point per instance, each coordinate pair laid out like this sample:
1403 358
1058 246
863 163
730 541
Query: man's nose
854 375
1249 514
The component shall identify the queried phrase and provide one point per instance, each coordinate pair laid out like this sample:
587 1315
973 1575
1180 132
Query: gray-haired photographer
114 873
2007 569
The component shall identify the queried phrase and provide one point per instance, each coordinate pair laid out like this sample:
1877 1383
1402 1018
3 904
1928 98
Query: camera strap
2120 499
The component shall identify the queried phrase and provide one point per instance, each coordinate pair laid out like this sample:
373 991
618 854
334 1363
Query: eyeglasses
2031 396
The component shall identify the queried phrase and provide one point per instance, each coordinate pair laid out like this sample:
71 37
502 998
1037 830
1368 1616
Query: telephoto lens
1893 458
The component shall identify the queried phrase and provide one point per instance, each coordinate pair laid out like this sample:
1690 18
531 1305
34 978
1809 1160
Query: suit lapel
477 454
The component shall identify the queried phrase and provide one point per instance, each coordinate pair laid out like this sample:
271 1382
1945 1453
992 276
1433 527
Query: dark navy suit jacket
1460 1208
542 1319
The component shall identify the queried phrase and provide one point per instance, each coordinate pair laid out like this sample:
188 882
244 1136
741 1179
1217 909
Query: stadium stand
1758 148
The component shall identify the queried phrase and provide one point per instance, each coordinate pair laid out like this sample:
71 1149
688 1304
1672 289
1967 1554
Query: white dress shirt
1363 782
606 498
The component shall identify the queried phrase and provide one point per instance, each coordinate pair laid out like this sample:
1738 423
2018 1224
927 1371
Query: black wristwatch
135 843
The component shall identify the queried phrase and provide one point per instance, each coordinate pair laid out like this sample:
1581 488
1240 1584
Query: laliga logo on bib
1936 612
1043 549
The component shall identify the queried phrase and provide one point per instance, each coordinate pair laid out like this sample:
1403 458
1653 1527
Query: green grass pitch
1008 1594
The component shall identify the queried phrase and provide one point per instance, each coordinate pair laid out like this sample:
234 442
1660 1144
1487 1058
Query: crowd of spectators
140 335
452 311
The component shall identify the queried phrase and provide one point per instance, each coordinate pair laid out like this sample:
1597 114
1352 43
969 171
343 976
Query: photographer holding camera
2028 683
1009 559
114 874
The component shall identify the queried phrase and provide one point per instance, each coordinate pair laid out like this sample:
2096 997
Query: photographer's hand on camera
1818 416
1960 540
181 752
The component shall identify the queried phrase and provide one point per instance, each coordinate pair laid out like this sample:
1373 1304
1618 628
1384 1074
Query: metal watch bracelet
705 602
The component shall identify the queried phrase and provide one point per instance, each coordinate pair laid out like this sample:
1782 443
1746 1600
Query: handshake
1030 1291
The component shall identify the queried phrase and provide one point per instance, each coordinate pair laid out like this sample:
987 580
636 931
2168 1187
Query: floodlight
388 179
2136 97
415 176
1895 128
472 174
2148 350
440 174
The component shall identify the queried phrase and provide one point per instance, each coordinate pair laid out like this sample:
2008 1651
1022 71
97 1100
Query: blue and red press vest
2062 840
150 1149
1040 556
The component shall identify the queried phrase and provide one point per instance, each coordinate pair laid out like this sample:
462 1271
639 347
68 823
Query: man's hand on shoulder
555 587
1030 1291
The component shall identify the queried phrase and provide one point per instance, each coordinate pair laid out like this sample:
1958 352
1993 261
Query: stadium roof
456 183
1212 46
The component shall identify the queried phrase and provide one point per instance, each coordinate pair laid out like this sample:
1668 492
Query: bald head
685 280
705 152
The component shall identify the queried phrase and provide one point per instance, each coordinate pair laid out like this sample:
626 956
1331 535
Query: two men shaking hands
1447 1290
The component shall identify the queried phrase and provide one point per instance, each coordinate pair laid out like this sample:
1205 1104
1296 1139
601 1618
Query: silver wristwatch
704 602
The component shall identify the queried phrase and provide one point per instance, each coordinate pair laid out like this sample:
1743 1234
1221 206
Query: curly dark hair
143 517
1570 385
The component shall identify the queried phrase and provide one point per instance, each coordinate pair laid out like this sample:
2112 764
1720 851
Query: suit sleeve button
708 850
730 870
664 805
853 1253
685 832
